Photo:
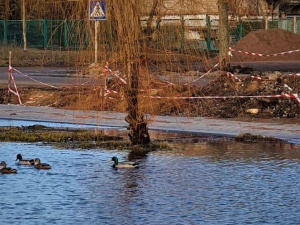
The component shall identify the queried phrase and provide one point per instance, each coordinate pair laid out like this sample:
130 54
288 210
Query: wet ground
192 125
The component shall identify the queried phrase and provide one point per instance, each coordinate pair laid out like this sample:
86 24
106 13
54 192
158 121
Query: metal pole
66 34
24 25
9 78
96 41
266 20
208 30
5 32
45 33
294 24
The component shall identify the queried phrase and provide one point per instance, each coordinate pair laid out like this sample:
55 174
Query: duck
42 166
6 170
126 164
24 161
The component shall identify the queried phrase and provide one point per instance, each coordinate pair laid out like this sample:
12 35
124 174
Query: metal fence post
182 32
4 32
65 34
240 30
208 37
266 20
45 33
294 24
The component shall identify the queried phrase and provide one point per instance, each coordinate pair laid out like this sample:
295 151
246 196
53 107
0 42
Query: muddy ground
92 97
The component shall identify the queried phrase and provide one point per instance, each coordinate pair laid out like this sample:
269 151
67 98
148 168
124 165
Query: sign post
96 13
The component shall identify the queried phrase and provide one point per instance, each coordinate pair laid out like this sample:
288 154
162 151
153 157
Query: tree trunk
138 131
129 33
7 17
223 35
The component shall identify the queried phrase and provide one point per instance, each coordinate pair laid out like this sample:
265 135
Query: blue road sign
97 10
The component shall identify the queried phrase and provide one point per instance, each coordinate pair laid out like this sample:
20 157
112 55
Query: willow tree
223 34
131 49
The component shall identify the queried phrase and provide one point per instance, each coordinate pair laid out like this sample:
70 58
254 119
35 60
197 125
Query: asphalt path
43 76
194 125
65 76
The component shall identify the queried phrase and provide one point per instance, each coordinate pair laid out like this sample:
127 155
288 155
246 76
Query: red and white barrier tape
16 92
294 74
205 74
291 96
28 76
288 87
107 71
256 77
230 50
234 77
110 91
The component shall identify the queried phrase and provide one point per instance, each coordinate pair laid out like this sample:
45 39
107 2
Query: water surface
217 183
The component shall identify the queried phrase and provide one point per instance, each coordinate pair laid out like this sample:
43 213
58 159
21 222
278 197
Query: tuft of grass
44 134
43 57
76 139
247 137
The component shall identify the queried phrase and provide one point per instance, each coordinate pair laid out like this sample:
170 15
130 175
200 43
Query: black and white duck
22 161
127 164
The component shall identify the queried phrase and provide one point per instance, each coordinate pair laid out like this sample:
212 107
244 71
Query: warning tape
167 83
230 50
215 66
256 77
233 77
16 92
110 91
294 74
291 96
28 76
109 71
288 87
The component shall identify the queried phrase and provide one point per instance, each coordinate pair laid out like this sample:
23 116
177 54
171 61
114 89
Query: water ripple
226 183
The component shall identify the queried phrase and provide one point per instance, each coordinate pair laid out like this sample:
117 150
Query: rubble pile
264 107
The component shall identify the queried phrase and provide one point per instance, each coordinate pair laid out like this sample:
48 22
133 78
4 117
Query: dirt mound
268 42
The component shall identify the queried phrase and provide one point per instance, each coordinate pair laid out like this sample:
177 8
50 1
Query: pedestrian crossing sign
97 10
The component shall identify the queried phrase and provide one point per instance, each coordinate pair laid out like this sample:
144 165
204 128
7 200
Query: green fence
45 33
179 32
289 24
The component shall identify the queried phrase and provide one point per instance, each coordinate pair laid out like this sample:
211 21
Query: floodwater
202 183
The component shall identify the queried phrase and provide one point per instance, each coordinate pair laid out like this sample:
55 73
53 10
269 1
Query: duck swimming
6 170
24 161
42 166
127 164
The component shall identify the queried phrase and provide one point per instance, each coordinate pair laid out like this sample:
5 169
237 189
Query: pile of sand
268 42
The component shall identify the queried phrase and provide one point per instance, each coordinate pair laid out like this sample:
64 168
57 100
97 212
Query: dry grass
41 57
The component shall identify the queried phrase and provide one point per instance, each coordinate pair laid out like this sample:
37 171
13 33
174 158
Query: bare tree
273 4
131 47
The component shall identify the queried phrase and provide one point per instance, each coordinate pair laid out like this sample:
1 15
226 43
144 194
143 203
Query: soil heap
268 42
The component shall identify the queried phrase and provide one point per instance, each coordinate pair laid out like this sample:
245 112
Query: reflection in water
216 183
232 150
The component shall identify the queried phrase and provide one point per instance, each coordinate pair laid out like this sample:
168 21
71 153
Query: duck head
19 157
3 164
115 159
37 161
